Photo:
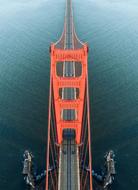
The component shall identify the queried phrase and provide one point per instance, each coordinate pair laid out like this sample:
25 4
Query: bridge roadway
69 162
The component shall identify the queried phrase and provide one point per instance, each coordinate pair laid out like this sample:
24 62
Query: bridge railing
85 159
52 156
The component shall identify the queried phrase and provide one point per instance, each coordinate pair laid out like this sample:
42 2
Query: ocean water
27 27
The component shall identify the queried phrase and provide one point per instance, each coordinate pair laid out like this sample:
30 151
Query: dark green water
26 29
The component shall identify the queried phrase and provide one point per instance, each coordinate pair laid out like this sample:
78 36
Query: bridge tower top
69 74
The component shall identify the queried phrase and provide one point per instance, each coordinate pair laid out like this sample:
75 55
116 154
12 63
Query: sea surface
27 27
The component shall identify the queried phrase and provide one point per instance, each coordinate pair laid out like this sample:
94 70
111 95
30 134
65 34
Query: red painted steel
59 54
73 55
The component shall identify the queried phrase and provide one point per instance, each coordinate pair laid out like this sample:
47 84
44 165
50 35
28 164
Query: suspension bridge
68 154
69 142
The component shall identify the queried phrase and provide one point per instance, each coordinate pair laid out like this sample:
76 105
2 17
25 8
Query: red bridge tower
69 163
